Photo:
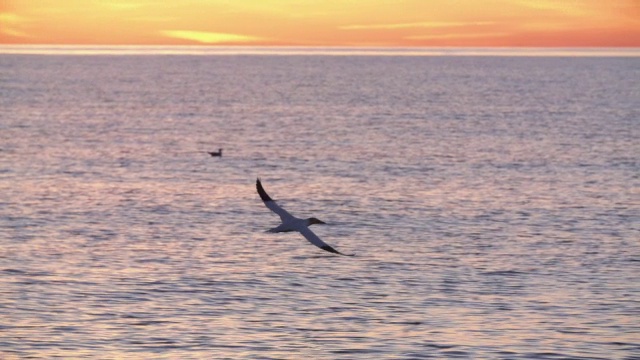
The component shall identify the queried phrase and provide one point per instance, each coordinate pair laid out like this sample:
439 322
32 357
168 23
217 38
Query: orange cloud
209 37
433 24
458 36
13 25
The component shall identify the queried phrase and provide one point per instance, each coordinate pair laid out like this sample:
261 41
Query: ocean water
492 202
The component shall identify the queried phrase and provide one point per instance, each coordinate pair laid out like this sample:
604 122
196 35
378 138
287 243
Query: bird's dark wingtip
263 194
334 251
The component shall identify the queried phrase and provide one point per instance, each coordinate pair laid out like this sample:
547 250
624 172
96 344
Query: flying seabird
218 154
292 223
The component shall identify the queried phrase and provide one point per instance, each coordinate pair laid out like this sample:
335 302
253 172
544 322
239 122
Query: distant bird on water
292 223
215 154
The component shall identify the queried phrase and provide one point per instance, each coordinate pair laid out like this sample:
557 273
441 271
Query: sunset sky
384 23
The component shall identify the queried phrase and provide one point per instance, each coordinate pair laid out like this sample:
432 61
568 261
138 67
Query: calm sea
493 203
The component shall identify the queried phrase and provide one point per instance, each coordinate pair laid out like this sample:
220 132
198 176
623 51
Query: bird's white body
292 223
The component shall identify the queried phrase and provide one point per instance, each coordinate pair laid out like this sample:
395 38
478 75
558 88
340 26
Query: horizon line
81 49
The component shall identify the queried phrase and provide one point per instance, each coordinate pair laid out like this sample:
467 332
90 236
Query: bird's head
315 221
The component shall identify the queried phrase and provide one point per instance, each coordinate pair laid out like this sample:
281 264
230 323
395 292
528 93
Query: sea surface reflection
492 203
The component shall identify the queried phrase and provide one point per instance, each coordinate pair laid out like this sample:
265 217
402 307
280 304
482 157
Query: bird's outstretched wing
268 201
315 240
